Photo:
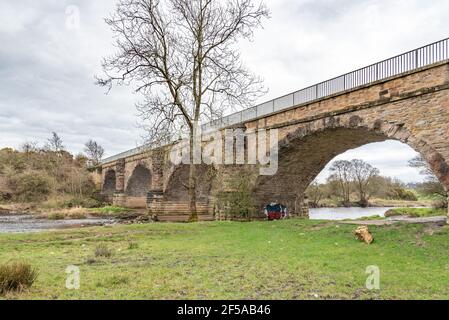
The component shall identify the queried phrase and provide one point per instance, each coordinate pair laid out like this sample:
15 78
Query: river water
29 223
346 213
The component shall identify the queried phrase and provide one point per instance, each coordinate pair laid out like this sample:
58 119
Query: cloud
48 68
48 78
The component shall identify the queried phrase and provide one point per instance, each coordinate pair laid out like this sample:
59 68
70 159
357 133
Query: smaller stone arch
139 184
109 182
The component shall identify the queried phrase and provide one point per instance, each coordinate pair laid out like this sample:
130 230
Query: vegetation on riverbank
378 202
416 212
290 259
49 177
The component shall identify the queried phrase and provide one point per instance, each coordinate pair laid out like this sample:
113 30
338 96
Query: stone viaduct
405 98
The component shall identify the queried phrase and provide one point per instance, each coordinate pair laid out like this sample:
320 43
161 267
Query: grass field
292 259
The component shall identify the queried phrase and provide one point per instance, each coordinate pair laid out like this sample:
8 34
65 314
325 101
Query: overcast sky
48 63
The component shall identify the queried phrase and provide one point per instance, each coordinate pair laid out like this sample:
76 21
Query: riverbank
26 223
19 218
68 213
416 212
290 259
377 202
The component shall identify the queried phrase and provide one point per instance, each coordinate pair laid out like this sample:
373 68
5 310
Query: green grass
375 217
108 210
416 212
290 259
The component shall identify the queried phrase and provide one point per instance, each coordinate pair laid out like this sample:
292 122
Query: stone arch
176 185
109 182
139 184
305 149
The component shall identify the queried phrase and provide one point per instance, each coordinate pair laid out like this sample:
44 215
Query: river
346 213
29 223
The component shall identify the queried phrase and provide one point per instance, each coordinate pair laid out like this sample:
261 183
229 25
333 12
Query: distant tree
341 174
420 163
432 185
29 146
81 160
54 143
362 174
315 193
94 152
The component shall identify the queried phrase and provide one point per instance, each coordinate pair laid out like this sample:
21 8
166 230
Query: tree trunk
192 183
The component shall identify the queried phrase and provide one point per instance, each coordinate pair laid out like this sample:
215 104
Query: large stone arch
305 149
109 182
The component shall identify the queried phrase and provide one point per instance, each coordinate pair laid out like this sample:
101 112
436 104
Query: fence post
416 59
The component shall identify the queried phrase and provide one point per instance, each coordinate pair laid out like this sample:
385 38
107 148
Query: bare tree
29 146
432 185
182 56
315 193
362 174
420 163
94 152
54 143
341 172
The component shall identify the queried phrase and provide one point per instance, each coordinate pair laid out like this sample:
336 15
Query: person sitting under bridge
275 211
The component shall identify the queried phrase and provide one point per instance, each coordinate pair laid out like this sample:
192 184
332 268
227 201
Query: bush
439 203
238 203
102 251
31 186
16 277
82 202
399 193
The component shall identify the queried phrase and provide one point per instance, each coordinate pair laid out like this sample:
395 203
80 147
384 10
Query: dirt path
392 220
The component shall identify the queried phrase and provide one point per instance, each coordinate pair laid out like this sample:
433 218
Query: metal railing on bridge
400 64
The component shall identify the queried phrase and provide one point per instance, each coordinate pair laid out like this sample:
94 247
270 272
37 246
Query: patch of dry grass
16 277
102 251
69 213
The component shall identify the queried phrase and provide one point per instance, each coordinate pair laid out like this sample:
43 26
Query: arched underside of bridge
176 195
139 184
109 183
306 150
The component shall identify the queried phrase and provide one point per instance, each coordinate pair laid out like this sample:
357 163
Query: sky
50 51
